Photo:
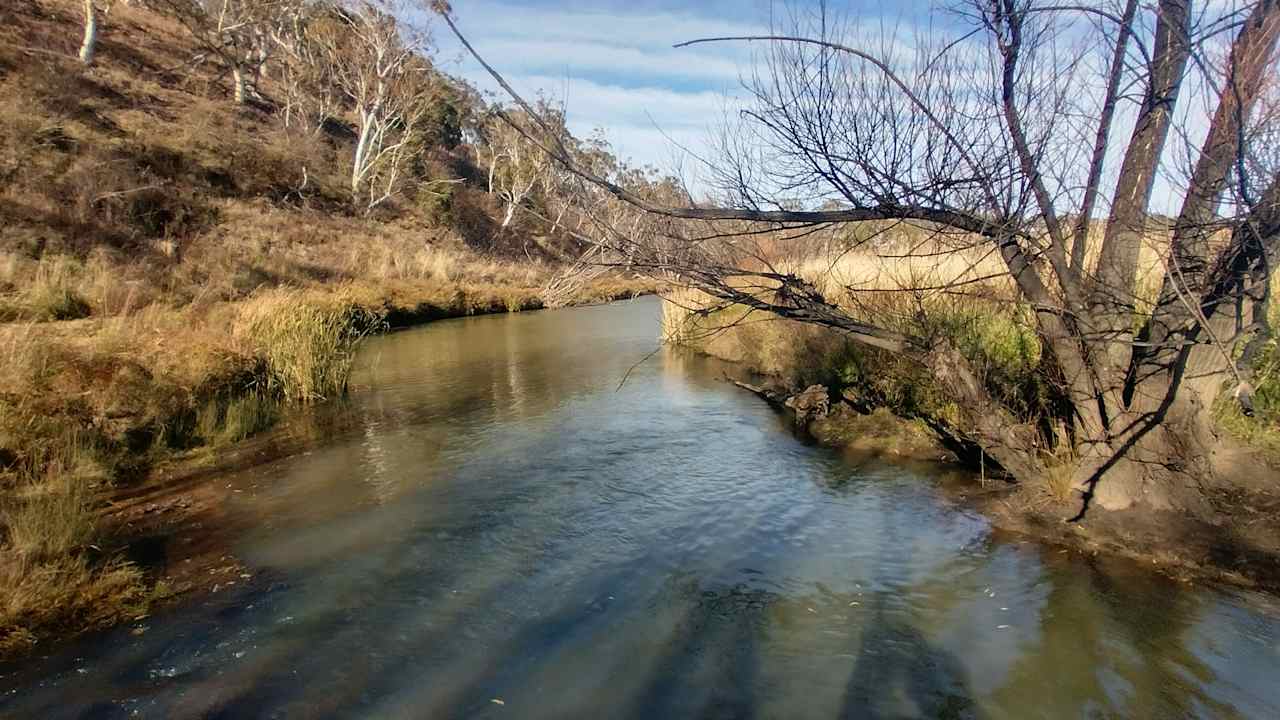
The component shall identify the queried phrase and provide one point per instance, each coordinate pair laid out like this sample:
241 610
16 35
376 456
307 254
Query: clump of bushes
1002 347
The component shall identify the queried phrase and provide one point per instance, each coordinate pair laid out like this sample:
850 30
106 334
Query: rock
812 404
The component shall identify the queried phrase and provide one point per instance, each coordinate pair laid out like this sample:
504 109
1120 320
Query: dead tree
1013 139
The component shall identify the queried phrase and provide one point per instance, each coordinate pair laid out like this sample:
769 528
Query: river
502 527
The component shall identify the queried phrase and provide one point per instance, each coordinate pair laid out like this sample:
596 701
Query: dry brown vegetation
174 270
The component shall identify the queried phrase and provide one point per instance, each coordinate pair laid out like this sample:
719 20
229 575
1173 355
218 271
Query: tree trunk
239 82
361 152
1160 462
1011 444
89 47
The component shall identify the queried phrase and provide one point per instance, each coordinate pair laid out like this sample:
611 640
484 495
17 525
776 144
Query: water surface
496 529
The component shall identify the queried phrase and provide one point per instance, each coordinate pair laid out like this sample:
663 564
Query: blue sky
613 64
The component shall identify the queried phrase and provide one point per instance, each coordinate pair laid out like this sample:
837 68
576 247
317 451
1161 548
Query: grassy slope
172 270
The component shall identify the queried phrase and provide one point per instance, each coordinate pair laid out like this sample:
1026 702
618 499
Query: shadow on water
898 673
708 667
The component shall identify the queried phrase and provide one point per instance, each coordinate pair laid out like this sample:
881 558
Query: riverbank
111 429
490 510
181 265
811 374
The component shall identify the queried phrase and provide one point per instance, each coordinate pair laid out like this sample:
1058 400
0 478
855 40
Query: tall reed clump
308 339
679 306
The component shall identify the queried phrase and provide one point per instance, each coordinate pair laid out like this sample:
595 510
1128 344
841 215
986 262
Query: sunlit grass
309 340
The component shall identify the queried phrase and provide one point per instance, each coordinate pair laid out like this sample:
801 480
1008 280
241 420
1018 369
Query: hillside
175 267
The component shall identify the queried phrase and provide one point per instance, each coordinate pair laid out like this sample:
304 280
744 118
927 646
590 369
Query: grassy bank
93 406
176 269
981 318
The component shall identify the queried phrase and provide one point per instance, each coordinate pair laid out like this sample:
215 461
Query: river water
496 528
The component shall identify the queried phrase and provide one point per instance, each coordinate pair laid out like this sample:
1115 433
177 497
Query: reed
308 339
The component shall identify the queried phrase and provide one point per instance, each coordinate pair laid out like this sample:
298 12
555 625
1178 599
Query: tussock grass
66 594
48 294
308 339
53 578
50 514
1057 482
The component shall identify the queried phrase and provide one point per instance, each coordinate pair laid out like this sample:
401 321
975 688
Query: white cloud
647 30
616 70
592 56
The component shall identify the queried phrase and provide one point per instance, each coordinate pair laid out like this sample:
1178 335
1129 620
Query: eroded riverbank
1238 544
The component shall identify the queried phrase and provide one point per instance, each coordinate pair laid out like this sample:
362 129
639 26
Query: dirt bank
1236 540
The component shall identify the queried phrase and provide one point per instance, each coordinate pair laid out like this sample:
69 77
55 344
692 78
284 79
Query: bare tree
1011 140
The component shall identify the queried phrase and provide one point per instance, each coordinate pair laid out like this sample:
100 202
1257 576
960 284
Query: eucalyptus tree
381 68
515 166
234 33
1019 131
92 18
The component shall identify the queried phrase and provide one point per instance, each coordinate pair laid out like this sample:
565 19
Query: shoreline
171 525
181 500
168 523
1180 547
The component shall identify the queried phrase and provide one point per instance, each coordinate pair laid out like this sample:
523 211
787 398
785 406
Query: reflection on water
495 528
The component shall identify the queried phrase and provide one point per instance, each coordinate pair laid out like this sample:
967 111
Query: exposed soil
178 533
1236 541
1239 546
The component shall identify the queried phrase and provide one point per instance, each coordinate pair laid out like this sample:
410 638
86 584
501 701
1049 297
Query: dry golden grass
173 270
968 296
964 266
68 594
307 339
